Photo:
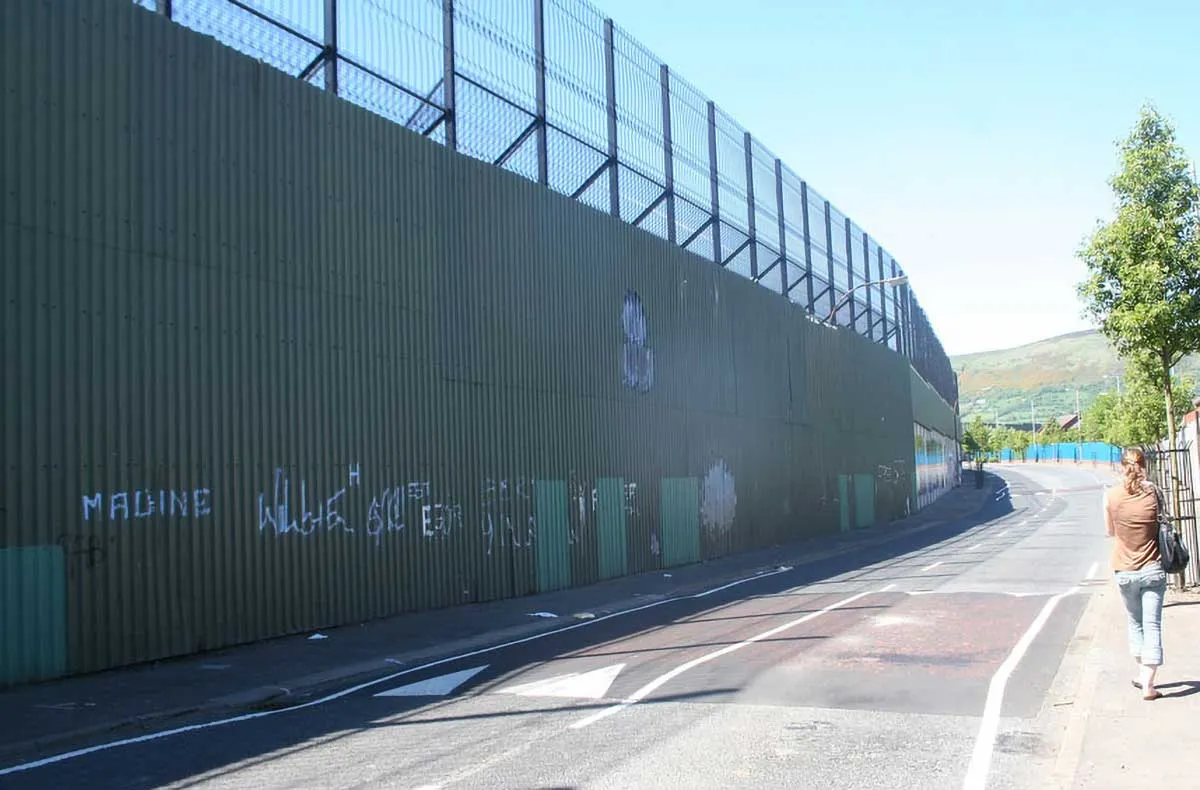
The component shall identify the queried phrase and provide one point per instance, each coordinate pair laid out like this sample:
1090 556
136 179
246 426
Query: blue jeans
1143 593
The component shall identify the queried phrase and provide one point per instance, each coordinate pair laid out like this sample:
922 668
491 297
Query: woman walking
1131 518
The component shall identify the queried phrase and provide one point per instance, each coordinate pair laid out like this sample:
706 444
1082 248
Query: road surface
922 663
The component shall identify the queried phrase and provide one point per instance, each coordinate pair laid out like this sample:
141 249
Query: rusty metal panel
285 365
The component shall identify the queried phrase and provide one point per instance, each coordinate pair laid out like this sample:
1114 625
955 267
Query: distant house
1068 422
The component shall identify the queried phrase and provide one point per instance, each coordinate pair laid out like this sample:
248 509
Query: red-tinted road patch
929 654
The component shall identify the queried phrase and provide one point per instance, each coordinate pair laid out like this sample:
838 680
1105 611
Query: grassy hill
1046 372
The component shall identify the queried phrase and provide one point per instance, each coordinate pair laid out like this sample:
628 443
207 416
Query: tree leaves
1143 282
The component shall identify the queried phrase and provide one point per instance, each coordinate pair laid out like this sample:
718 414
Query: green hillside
1001 384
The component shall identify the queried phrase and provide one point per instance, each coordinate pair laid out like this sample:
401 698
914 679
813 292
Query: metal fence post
898 324
808 263
850 276
163 7
539 42
714 187
448 75
610 90
783 262
664 78
883 322
833 294
331 47
747 142
866 279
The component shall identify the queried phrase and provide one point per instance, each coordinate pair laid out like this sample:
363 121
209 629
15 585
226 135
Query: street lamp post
1033 432
893 281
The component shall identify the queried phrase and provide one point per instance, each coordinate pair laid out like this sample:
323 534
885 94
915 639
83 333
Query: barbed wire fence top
555 92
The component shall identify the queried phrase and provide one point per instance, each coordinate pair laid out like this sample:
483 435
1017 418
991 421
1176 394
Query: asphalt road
922 663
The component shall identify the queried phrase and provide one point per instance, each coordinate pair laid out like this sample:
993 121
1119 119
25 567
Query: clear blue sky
973 140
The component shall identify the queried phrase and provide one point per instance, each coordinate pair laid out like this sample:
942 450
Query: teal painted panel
844 503
33 614
864 501
680 513
553 535
610 526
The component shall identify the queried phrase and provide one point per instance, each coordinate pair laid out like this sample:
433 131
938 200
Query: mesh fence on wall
555 92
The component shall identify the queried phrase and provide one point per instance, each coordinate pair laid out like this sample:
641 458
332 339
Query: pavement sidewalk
1115 740
63 714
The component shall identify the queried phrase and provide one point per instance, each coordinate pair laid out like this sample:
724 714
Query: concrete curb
291 693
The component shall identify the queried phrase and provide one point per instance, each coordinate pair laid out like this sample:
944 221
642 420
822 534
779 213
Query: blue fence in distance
1088 452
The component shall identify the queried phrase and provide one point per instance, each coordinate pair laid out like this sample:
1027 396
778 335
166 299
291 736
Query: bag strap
1164 513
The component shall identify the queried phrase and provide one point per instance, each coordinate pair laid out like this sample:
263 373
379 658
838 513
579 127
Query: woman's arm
1108 525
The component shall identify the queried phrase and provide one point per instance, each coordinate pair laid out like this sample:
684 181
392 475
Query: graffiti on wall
507 514
293 506
638 357
146 503
936 464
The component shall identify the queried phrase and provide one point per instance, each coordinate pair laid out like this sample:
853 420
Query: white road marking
972 548
154 736
576 685
667 677
981 758
440 686
1092 571
928 568
1002 533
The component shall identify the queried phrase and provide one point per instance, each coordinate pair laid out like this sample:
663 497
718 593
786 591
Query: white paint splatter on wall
638 357
719 500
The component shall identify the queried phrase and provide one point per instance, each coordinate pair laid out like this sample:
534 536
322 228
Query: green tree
1143 283
977 438
1099 417
1020 443
1140 414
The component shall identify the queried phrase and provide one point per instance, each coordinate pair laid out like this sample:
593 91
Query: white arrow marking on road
440 686
667 677
586 685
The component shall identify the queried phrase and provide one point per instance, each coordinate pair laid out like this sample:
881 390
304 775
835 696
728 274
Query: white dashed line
928 568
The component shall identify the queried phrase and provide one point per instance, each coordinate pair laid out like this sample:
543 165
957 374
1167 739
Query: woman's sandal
1148 697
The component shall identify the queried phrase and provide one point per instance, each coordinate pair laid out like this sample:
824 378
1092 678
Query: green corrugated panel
844 503
33 614
679 504
929 408
864 501
553 550
610 526
235 285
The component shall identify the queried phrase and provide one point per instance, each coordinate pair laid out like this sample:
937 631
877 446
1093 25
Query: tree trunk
1174 471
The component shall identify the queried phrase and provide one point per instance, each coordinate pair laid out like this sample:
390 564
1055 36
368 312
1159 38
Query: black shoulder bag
1170 546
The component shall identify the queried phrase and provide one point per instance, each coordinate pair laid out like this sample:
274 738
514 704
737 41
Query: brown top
1133 522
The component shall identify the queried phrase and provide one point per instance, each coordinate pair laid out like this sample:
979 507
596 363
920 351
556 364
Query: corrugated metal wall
274 364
